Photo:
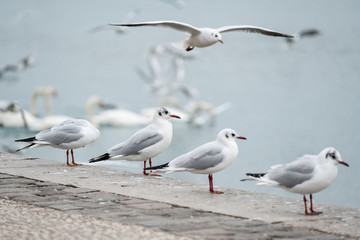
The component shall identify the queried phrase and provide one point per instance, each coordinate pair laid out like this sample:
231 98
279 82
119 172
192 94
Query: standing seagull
204 37
306 175
70 134
145 143
208 158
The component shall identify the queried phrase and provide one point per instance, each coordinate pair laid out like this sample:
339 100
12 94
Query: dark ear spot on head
227 136
331 154
159 113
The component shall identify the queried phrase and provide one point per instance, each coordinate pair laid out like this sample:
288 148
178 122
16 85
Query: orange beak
220 41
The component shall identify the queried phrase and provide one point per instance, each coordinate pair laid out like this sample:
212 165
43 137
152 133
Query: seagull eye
233 134
215 35
166 112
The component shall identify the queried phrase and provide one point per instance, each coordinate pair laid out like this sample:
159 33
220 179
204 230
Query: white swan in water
18 117
49 120
46 93
118 117
12 114
32 122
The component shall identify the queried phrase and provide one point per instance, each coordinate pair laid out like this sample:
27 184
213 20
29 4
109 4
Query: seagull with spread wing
204 37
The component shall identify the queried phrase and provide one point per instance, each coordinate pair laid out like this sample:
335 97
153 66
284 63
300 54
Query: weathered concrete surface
250 206
23 221
91 214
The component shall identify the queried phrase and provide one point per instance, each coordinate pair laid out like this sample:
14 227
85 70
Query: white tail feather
179 44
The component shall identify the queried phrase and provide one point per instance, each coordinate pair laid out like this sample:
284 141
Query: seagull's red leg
67 158
211 189
153 174
312 212
144 172
306 211
73 161
311 207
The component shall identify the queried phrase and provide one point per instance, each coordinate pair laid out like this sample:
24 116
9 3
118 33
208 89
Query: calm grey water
287 102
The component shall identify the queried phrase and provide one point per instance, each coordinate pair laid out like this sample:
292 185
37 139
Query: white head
331 154
163 113
50 91
227 135
209 36
94 100
216 36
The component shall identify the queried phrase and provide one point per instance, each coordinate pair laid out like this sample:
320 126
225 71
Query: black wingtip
28 146
157 167
30 139
103 157
255 175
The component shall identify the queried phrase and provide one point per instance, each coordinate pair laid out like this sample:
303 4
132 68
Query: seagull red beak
175 116
344 163
220 41
240 137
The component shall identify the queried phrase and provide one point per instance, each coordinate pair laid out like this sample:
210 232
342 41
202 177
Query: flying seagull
204 37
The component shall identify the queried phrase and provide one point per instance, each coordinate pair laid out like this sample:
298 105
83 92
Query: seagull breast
205 38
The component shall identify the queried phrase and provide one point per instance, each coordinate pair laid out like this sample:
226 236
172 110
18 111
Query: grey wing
253 29
136 143
294 173
184 27
66 132
204 157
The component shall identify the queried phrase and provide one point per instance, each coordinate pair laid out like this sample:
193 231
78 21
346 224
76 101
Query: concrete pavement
162 208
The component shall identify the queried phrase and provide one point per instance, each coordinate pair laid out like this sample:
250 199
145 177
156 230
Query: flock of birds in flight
306 175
